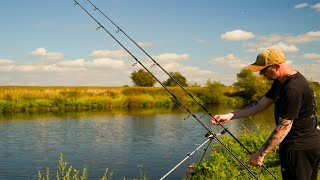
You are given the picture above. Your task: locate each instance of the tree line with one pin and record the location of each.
(248, 86)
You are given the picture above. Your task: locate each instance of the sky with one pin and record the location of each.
(55, 43)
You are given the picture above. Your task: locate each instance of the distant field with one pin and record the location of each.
(68, 98)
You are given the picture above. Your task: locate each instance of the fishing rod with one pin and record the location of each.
(189, 94)
(137, 61)
(188, 156)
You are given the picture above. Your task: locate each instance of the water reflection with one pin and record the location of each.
(120, 140)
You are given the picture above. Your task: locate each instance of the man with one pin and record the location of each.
(295, 115)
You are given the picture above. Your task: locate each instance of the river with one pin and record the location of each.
(154, 139)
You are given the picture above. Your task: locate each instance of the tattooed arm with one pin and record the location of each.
(276, 137)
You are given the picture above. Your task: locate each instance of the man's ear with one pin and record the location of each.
(277, 66)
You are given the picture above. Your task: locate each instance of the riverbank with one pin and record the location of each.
(65, 98)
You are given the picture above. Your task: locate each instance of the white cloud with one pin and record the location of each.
(38, 52)
(193, 74)
(302, 5)
(106, 63)
(110, 54)
(310, 56)
(283, 47)
(230, 60)
(310, 36)
(310, 71)
(286, 43)
(42, 52)
(4, 62)
(73, 63)
(145, 44)
(237, 35)
(166, 57)
(316, 7)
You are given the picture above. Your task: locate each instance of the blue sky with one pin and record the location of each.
(52, 43)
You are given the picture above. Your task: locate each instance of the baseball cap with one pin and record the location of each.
(267, 58)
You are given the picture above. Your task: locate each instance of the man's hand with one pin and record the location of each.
(256, 159)
(222, 118)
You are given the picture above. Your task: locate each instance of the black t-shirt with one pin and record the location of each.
(295, 100)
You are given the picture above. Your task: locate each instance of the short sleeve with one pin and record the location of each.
(272, 91)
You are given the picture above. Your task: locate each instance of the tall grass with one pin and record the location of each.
(52, 99)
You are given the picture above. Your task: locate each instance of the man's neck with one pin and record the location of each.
(286, 73)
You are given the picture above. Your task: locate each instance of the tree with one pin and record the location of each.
(251, 87)
(142, 78)
(178, 77)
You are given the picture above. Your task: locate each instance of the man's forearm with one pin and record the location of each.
(277, 136)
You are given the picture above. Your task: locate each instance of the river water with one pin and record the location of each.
(154, 139)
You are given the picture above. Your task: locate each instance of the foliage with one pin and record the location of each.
(52, 99)
(316, 88)
(251, 87)
(178, 77)
(69, 173)
(64, 172)
(221, 165)
(215, 93)
(142, 78)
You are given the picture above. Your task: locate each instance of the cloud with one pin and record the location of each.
(171, 57)
(193, 74)
(309, 56)
(105, 63)
(316, 7)
(286, 42)
(110, 54)
(202, 41)
(230, 60)
(283, 47)
(4, 62)
(302, 5)
(307, 37)
(145, 44)
(73, 63)
(310, 71)
(42, 52)
(237, 35)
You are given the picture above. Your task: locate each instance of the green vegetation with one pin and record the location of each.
(248, 89)
(52, 99)
(251, 87)
(142, 78)
(178, 77)
(69, 173)
(221, 165)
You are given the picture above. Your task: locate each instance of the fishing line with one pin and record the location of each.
(189, 94)
(190, 113)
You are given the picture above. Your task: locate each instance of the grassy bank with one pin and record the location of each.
(52, 99)
(221, 165)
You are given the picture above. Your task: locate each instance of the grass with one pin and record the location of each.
(67, 172)
(221, 165)
(52, 99)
